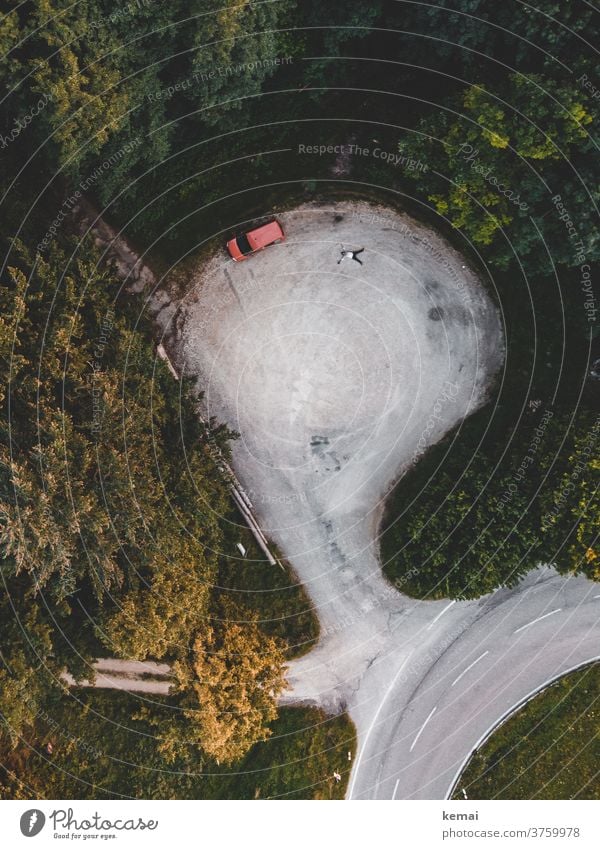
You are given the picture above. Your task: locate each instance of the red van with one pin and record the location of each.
(245, 244)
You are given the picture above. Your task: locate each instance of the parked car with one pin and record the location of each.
(245, 244)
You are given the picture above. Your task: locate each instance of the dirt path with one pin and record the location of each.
(134, 676)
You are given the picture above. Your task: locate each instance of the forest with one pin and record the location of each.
(116, 537)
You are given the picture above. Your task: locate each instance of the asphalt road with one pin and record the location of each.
(483, 661)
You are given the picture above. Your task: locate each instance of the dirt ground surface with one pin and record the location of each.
(337, 377)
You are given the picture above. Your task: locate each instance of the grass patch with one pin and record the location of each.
(550, 749)
(251, 587)
(104, 747)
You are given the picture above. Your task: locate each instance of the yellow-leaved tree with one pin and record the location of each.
(236, 676)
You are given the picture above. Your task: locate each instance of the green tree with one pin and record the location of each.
(571, 518)
(484, 519)
(494, 157)
(113, 513)
(109, 534)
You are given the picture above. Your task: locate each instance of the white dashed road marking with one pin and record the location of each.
(441, 613)
(539, 619)
(373, 723)
(464, 672)
(422, 728)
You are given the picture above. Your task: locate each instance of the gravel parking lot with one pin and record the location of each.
(337, 377)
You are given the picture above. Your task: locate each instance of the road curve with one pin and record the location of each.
(430, 720)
